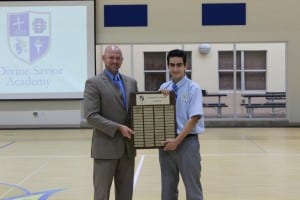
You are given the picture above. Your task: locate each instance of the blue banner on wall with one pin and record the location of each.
(125, 15)
(223, 14)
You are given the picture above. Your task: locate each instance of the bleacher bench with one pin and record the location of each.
(217, 106)
(271, 96)
(250, 107)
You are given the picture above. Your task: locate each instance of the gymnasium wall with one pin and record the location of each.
(175, 22)
(179, 22)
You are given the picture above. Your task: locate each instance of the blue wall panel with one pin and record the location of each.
(125, 15)
(223, 14)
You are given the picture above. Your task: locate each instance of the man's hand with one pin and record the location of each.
(165, 92)
(170, 144)
(125, 131)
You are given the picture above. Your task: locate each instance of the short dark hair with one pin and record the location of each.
(176, 53)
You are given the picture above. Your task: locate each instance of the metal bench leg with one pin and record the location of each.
(248, 112)
(219, 111)
(251, 112)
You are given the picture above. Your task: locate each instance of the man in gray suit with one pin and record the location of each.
(106, 101)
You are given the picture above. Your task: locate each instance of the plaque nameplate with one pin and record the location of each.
(151, 99)
(153, 119)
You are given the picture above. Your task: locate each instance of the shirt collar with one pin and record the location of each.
(181, 82)
(111, 76)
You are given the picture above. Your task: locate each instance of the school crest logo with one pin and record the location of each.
(29, 35)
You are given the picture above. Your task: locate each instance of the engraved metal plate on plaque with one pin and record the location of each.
(153, 119)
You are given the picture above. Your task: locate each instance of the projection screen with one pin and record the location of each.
(47, 49)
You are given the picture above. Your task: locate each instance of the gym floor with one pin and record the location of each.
(237, 164)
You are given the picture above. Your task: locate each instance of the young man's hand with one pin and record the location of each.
(165, 92)
(170, 144)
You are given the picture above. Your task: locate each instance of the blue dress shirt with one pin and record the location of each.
(188, 103)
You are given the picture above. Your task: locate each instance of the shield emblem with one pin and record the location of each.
(29, 35)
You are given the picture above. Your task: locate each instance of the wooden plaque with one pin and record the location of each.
(153, 119)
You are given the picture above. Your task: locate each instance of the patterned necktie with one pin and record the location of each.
(175, 89)
(118, 83)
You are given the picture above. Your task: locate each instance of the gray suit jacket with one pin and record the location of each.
(104, 110)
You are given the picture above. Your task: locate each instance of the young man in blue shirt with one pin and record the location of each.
(182, 154)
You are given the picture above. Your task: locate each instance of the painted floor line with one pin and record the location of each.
(6, 145)
(138, 170)
(26, 178)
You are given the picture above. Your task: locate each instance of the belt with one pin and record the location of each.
(191, 135)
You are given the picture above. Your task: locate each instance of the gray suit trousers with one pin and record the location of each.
(186, 161)
(121, 170)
